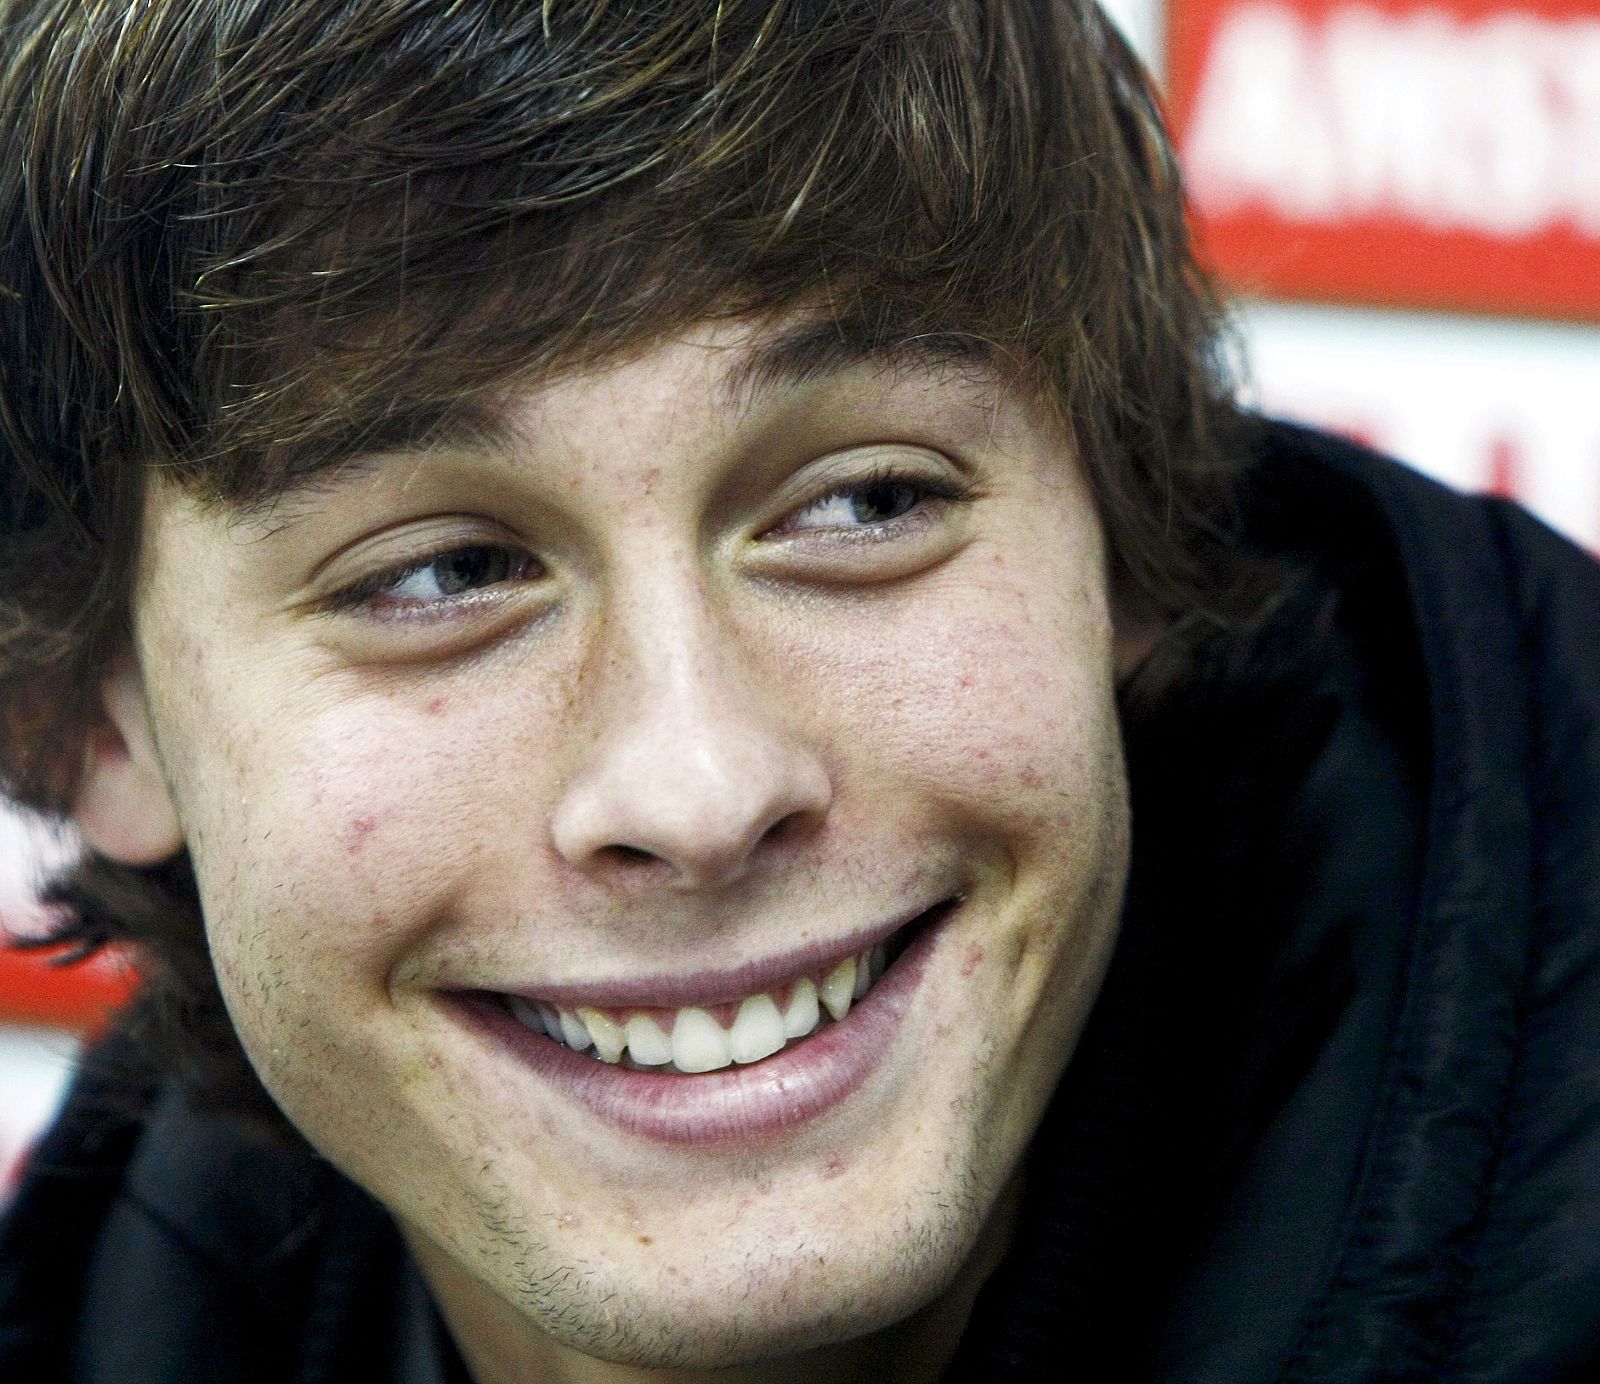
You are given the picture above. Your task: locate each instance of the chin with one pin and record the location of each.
(761, 1302)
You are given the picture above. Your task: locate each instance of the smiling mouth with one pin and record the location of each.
(697, 1038)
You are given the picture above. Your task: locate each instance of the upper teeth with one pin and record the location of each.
(692, 1039)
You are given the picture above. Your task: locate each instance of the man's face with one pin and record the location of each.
(643, 717)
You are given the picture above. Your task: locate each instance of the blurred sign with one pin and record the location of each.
(35, 988)
(35, 1066)
(46, 1009)
(1430, 154)
(1507, 407)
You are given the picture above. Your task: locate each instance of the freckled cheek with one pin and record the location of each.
(1021, 729)
(343, 845)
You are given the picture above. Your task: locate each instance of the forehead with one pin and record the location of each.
(736, 367)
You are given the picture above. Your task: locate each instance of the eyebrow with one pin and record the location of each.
(811, 350)
(352, 446)
(801, 354)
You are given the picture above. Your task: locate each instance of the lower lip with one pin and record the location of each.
(737, 1105)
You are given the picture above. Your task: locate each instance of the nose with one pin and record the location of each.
(692, 769)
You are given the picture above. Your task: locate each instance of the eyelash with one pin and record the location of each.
(367, 593)
(939, 490)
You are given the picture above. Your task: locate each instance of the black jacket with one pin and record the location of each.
(1336, 1114)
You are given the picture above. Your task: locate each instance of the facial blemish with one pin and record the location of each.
(973, 959)
(436, 706)
(360, 828)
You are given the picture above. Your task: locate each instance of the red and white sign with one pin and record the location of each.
(34, 987)
(45, 1009)
(1506, 407)
(1394, 151)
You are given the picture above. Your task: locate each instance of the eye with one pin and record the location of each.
(874, 502)
(876, 505)
(458, 571)
(445, 577)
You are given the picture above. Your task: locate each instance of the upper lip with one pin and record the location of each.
(725, 985)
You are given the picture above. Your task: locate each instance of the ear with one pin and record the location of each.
(123, 806)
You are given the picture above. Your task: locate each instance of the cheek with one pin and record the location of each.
(1010, 713)
(324, 843)
(353, 841)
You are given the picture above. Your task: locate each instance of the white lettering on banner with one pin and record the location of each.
(1490, 126)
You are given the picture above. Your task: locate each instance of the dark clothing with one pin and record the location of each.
(1336, 1114)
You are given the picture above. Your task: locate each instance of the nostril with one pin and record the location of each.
(631, 855)
(778, 831)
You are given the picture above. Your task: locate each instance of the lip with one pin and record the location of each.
(712, 987)
(736, 1105)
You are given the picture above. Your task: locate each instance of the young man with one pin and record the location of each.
(600, 581)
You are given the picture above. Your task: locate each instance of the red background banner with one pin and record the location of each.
(1439, 155)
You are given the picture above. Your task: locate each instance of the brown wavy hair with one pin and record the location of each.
(243, 236)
